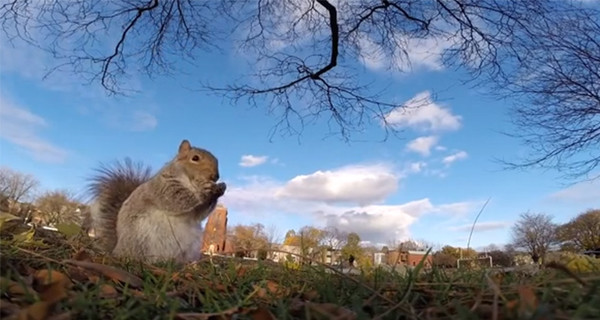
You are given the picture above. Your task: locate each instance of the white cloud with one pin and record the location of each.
(327, 205)
(360, 184)
(481, 226)
(249, 160)
(455, 157)
(586, 192)
(422, 145)
(421, 113)
(20, 127)
(416, 167)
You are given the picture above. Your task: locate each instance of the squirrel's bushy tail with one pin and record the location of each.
(110, 187)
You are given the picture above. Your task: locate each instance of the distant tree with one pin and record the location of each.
(442, 259)
(458, 253)
(582, 232)
(16, 186)
(310, 239)
(59, 206)
(248, 239)
(501, 258)
(334, 238)
(291, 239)
(352, 249)
(535, 233)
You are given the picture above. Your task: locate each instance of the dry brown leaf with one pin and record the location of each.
(528, 299)
(241, 271)
(310, 295)
(108, 291)
(52, 285)
(225, 314)
(14, 288)
(110, 272)
(512, 305)
(272, 289)
(82, 255)
(47, 277)
(36, 311)
(261, 313)
(136, 293)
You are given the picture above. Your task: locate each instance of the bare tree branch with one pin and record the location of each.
(306, 56)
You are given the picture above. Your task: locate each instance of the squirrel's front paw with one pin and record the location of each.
(217, 189)
(220, 188)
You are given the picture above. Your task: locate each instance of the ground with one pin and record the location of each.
(61, 275)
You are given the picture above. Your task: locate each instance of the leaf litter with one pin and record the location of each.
(53, 278)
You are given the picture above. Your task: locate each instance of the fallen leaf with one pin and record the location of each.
(136, 293)
(225, 314)
(6, 218)
(261, 313)
(271, 289)
(108, 291)
(512, 305)
(310, 295)
(24, 237)
(14, 288)
(36, 311)
(109, 272)
(53, 285)
(82, 255)
(528, 301)
(47, 277)
(241, 271)
(68, 229)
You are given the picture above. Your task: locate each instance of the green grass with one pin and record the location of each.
(221, 288)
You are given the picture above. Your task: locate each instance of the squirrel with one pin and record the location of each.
(156, 217)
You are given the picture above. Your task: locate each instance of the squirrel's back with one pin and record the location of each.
(110, 187)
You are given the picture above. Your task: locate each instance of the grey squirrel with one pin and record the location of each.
(156, 217)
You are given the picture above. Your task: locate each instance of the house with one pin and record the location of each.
(408, 257)
(379, 258)
(286, 253)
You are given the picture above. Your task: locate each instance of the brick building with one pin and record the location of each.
(407, 257)
(215, 231)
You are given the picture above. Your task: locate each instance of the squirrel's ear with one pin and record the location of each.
(184, 146)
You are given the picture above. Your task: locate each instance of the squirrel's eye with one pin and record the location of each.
(195, 158)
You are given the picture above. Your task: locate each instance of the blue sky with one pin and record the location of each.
(428, 184)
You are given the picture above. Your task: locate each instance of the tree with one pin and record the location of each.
(308, 239)
(334, 238)
(442, 259)
(59, 206)
(582, 232)
(535, 233)
(16, 186)
(541, 53)
(291, 239)
(248, 239)
(501, 258)
(352, 250)
(458, 253)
